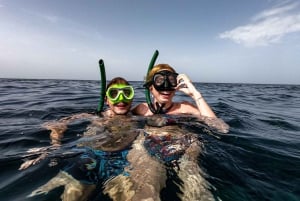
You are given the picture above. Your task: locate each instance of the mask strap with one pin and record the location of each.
(159, 108)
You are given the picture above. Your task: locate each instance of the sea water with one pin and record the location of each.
(259, 159)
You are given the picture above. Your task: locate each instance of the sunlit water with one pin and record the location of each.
(259, 159)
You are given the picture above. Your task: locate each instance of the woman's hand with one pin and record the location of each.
(186, 86)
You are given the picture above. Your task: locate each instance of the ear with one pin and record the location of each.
(152, 89)
(105, 100)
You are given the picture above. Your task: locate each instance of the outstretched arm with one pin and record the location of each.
(215, 123)
(57, 130)
(59, 127)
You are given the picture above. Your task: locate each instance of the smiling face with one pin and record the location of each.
(161, 82)
(119, 96)
(162, 97)
(119, 108)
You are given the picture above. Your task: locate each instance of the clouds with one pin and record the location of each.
(41, 15)
(267, 27)
(56, 39)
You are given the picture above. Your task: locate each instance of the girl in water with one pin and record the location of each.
(103, 148)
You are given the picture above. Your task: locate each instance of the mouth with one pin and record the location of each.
(166, 93)
(121, 105)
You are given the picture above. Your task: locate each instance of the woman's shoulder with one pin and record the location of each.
(184, 104)
(184, 107)
(139, 106)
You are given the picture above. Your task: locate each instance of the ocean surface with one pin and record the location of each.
(259, 159)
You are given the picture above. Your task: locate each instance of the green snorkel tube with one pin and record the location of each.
(147, 92)
(103, 86)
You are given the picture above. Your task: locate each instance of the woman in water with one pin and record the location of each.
(172, 145)
(166, 147)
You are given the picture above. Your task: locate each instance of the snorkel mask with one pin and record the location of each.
(164, 80)
(117, 93)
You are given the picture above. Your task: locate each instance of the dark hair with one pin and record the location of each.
(117, 80)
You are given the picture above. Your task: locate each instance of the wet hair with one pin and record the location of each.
(157, 68)
(117, 80)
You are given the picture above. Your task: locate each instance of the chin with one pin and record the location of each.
(164, 99)
(121, 112)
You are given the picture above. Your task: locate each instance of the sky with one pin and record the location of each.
(215, 41)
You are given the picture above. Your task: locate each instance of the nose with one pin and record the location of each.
(121, 97)
(166, 83)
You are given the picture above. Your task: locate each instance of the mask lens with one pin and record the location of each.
(128, 92)
(113, 93)
(173, 80)
(159, 79)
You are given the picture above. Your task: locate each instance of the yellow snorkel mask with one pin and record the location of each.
(117, 93)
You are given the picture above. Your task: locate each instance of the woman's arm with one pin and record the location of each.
(205, 114)
(186, 86)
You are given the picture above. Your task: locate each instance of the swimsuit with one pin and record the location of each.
(167, 148)
(93, 166)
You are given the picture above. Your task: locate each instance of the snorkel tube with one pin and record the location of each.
(147, 92)
(103, 86)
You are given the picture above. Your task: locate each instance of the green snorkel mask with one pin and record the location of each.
(117, 93)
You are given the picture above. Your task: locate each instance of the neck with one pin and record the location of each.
(110, 113)
(163, 108)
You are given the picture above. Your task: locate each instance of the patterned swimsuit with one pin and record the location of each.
(94, 166)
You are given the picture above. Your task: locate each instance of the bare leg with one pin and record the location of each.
(74, 190)
(146, 178)
(195, 187)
